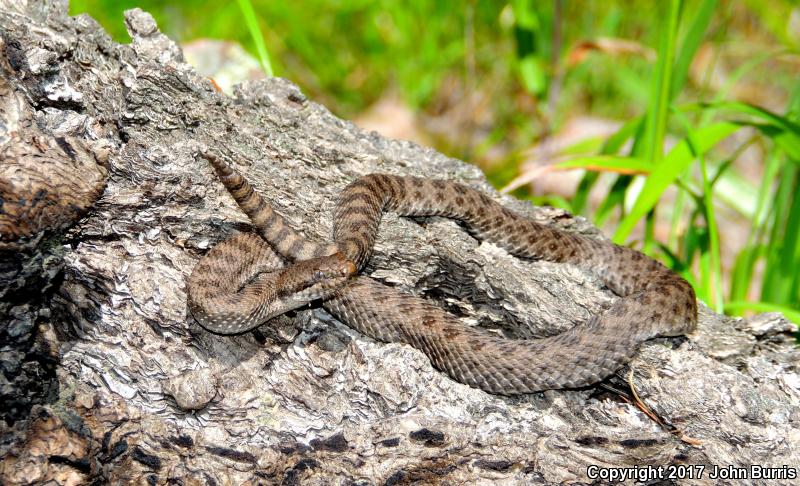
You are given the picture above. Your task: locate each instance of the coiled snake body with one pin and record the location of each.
(241, 283)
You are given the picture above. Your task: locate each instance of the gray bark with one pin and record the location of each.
(143, 394)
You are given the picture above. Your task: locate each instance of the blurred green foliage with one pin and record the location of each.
(350, 51)
(346, 54)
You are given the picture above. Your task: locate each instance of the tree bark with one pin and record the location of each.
(115, 382)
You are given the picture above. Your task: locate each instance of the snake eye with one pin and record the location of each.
(318, 275)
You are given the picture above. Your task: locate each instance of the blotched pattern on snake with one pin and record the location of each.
(242, 282)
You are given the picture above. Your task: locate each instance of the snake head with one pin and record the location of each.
(331, 268)
(316, 278)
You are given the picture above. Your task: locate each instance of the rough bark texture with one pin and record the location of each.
(115, 382)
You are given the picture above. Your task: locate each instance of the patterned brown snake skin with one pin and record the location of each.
(242, 282)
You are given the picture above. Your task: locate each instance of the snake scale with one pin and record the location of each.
(242, 282)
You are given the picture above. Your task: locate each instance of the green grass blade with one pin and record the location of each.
(690, 44)
(786, 140)
(715, 289)
(712, 266)
(615, 142)
(677, 212)
(791, 253)
(607, 163)
(784, 123)
(584, 146)
(581, 196)
(780, 284)
(616, 197)
(783, 131)
(783, 250)
(696, 242)
(741, 275)
(251, 19)
(612, 145)
(668, 170)
(658, 108)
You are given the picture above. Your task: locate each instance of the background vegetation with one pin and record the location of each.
(698, 104)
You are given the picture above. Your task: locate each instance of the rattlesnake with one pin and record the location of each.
(241, 283)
